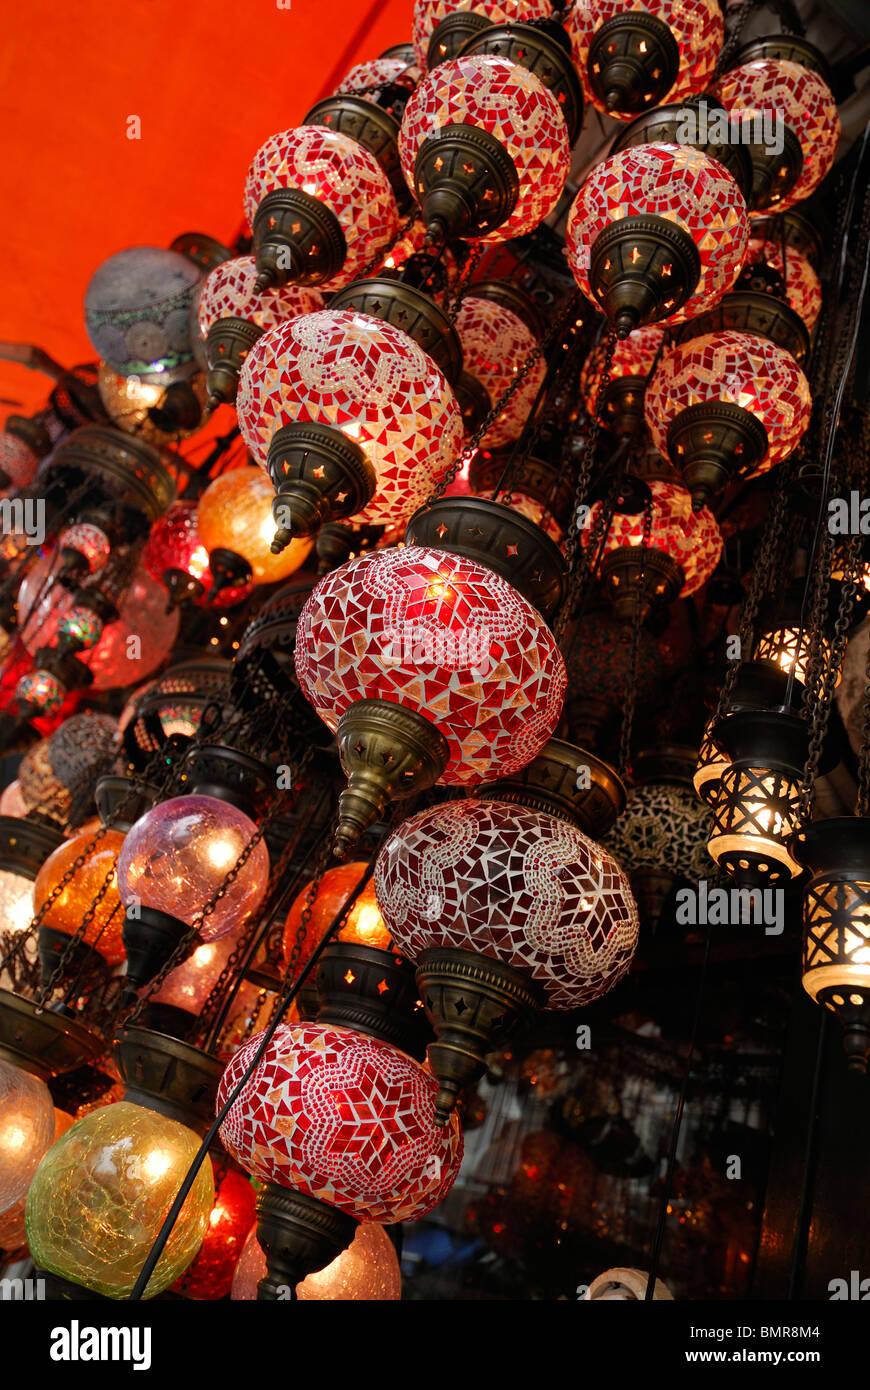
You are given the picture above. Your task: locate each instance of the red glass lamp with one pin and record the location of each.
(726, 404)
(18, 462)
(430, 668)
(350, 417)
(632, 361)
(632, 57)
(484, 149)
(465, 18)
(657, 233)
(230, 1220)
(321, 207)
(341, 1127)
(801, 285)
(495, 345)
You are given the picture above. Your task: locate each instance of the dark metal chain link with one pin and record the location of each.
(636, 625)
(475, 256)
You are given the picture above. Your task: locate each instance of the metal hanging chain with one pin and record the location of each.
(862, 807)
(475, 440)
(574, 561)
(321, 864)
(822, 706)
(463, 280)
(636, 625)
(73, 941)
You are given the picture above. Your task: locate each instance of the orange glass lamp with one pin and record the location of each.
(235, 514)
(367, 1271)
(63, 919)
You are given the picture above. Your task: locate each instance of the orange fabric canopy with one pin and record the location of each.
(209, 81)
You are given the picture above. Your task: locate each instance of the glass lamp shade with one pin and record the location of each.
(787, 94)
(342, 176)
(633, 357)
(188, 986)
(88, 541)
(663, 827)
(26, 1130)
(116, 660)
(518, 886)
(80, 628)
(230, 1220)
(440, 635)
(790, 648)
(229, 293)
(495, 344)
(137, 309)
(370, 381)
(367, 1271)
(235, 513)
(103, 932)
(696, 27)
(12, 801)
(429, 13)
(40, 692)
(364, 922)
(678, 184)
(802, 285)
(739, 369)
(175, 544)
(18, 462)
(511, 105)
(692, 539)
(128, 401)
(100, 1196)
(363, 77)
(177, 855)
(16, 901)
(13, 1235)
(344, 1118)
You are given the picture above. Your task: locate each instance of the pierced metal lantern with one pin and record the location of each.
(836, 956)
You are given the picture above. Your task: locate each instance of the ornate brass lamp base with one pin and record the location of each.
(465, 181)
(298, 1234)
(227, 345)
(320, 476)
(641, 269)
(297, 240)
(638, 579)
(633, 61)
(713, 442)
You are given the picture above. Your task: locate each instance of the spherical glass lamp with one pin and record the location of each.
(368, 1270)
(632, 361)
(726, 404)
(336, 886)
(230, 1220)
(495, 345)
(428, 14)
(631, 57)
(161, 413)
(137, 310)
(448, 660)
(641, 242)
(350, 417)
(18, 462)
(774, 95)
(179, 853)
(343, 1118)
(321, 207)
(26, 1130)
(235, 513)
(104, 932)
(13, 1235)
(802, 287)
(101, 1193)
(484, 149)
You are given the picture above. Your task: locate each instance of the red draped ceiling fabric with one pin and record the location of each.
(209, 80)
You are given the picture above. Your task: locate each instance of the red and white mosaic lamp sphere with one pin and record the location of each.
(429, 13)
(515, 116)
(743, 371)
(691, 538)
(677, 185)
(229, 293)
(368, 380)
(695, 26)
(495, 344)
(773, 93)
(345, 180)
(632, 361)
(343, 1118)
(803, 289)
(442, 636)
(18, 462)
(515, 885)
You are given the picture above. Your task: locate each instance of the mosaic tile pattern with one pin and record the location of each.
(663, 827)
(675, 182)
(693, 539)
(495, 715)
(742, 368)
(17, 460)
(344, 1118)
(510, 103)
(802, 285)
(695, 24)
(802, 100)
(632, 357)
(429, 13)
(341, 175)
(228, 293)
(365, 77)
(495, 344)
(370, 379)
(513, 884)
